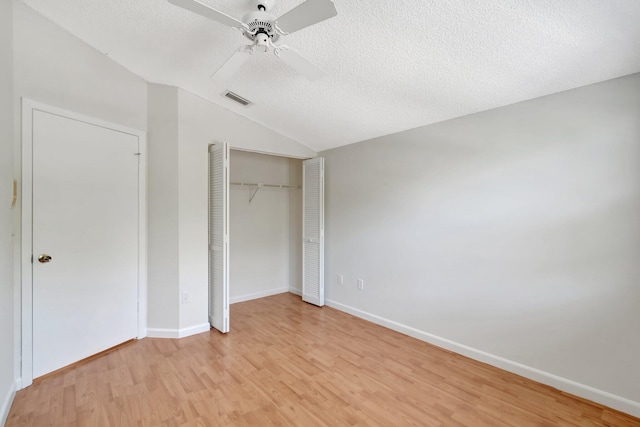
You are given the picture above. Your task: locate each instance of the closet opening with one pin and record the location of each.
(266, 229)
(265, 225)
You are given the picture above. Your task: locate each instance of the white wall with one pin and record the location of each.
(202, 123)
(512, 234)
(181, 128)
(201, 120)
(7, 374)
(163, 208)
(56, 68)
(263, 260)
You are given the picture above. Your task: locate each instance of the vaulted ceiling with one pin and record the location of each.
(390, 65)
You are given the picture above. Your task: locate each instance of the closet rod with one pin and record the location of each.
(250, 184)
(261, 185)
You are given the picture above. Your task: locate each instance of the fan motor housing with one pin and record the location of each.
(260, 23)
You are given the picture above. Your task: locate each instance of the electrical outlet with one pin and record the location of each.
(340, 279)
(361, 284)
(185, 297)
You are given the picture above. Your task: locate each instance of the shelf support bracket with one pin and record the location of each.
(258, 187)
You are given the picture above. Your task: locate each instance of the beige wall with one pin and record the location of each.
(511, 235)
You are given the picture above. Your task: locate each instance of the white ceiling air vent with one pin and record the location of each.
(237, 98)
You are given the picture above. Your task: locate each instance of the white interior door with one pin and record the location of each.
(219, 237)
(85, 218)
(313, 231)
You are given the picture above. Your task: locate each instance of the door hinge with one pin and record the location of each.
(137, 154)
(31, 258)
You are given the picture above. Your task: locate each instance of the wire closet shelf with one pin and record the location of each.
(259, 185)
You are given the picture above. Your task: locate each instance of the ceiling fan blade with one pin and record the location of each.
(232, 65)
(308, 13)
(300, 64)
(208, 12)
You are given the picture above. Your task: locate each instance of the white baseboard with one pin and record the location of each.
(177, 333)
(257, 295)
(296, 291)
(7, 402)
(581, 390)
(192, 330)
(162, 333)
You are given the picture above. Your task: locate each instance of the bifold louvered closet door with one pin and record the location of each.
(219, 237)
(313, 231)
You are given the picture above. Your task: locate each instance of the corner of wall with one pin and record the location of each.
(577, 389)
(486, 235)
(296, 291)
(7, 401)
(178, 333)
(8, 301)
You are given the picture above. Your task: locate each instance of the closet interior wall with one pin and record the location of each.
(266, 232)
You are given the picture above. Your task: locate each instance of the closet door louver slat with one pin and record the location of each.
(219, 237)
(313, 231)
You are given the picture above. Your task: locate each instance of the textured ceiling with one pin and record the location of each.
(391, 65)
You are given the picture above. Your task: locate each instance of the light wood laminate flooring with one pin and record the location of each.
(289, 363)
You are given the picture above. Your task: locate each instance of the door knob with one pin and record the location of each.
(44, 258)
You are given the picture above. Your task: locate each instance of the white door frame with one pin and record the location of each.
(28, 108)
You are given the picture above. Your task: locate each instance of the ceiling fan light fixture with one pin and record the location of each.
(264, 29)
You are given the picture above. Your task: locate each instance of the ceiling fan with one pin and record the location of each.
(264, 29)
